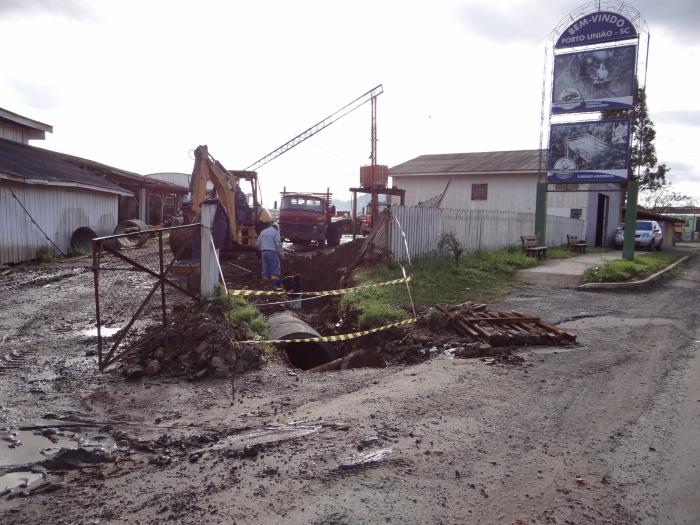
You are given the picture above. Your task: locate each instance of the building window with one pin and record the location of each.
(565, 187)
(480, 192)
(576, 213)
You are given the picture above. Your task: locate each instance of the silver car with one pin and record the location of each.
(648, 235)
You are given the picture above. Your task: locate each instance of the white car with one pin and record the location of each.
(648, 234)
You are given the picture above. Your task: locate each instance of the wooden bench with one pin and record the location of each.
(531, 248)
(575, 245)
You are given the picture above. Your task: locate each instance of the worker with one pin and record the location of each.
(242, 208)
(270, 247)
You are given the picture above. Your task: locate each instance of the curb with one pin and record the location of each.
(630, 284)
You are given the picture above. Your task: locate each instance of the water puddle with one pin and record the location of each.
(19, 480)
(105, 331)
(25, 447)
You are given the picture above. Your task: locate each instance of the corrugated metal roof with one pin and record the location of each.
(24, 121)
(466, 163)
(40, 166)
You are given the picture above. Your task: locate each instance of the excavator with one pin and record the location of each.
(245, 221)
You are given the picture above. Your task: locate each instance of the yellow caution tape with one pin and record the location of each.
(341, 337)
(324, 293)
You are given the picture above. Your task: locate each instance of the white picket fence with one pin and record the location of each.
(475, 229)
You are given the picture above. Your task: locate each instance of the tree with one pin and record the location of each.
(449, 241)
(644, 165)
(661, 199)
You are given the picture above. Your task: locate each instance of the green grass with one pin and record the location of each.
(559, 252)
(480, 276)
(238, 312)
(622, 270)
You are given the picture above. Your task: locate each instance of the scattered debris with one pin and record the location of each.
(364, 460)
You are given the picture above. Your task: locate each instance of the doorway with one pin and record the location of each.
(601, 224)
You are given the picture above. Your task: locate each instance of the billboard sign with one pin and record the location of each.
(594, 80)
(595, 151)
(596, 28)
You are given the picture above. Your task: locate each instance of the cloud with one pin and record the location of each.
(682, 172)
(688, 118)
(526, 21)
(530, 20)
(680, 17)
(34, 95)
(78, 9)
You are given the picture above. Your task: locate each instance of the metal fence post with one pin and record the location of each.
(162, 282)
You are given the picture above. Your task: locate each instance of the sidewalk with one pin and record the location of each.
(568, 273)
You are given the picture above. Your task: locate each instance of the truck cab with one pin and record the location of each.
(308, 217)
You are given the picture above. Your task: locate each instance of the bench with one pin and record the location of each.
(575, 245)
(531, 248)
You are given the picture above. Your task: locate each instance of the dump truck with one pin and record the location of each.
(310, 217)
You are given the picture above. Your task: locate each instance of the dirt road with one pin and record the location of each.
(604, 432)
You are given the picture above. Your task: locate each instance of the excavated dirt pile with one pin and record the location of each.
(321, 269)
(198, 342)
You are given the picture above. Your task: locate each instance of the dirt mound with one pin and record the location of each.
(321, 269)
(198, 341)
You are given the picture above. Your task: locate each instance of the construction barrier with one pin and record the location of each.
(341, 337)
(340, 291)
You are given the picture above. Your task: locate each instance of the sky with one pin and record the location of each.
(139, 84)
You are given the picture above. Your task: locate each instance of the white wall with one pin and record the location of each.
(476, 229)
(59, 212)
(13, 132)
(506, 192)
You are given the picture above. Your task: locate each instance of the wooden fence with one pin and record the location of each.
(419, 229)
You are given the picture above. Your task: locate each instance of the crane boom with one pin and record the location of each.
(330, 119)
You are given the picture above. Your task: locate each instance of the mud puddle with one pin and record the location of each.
(105, 331)
(26, 447)
(24, 479)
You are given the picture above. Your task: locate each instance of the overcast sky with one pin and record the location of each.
(139, 84)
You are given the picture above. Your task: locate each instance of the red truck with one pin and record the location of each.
(310, 217)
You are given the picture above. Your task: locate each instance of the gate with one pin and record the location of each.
(131, 272)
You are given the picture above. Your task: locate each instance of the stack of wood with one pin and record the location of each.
(476, 323)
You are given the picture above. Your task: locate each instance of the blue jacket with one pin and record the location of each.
(269, 240)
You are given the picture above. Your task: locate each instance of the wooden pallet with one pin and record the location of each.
(475, 323)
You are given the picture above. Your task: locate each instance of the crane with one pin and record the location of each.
(369, 96)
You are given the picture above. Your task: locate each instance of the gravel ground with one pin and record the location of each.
(604, 432)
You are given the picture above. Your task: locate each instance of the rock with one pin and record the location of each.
(219, 364)
(204, 329)
(134, 371)
(202, 347)
(201, 373)
(152, 367)
(159, 353)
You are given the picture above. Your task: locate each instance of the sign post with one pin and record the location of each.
(630, 220)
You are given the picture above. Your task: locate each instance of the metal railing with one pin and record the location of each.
(128, 282)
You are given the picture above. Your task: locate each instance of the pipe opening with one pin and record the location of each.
(306, 355)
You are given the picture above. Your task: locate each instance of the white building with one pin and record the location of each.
(505, 181)
(46, 195)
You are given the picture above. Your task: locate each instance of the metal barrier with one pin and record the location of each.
(126, 281)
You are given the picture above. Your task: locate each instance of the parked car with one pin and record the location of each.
(648, 235)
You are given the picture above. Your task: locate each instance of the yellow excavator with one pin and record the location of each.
(245, 219)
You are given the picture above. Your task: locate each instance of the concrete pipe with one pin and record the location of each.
(285, 325)
(82, 239)
(133, 226)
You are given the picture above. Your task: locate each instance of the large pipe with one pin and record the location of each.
(285, 325)
(82, 239)
(132, 226)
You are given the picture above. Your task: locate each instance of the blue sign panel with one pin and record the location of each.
(596, 28)
(595, 151)
(594, 80)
